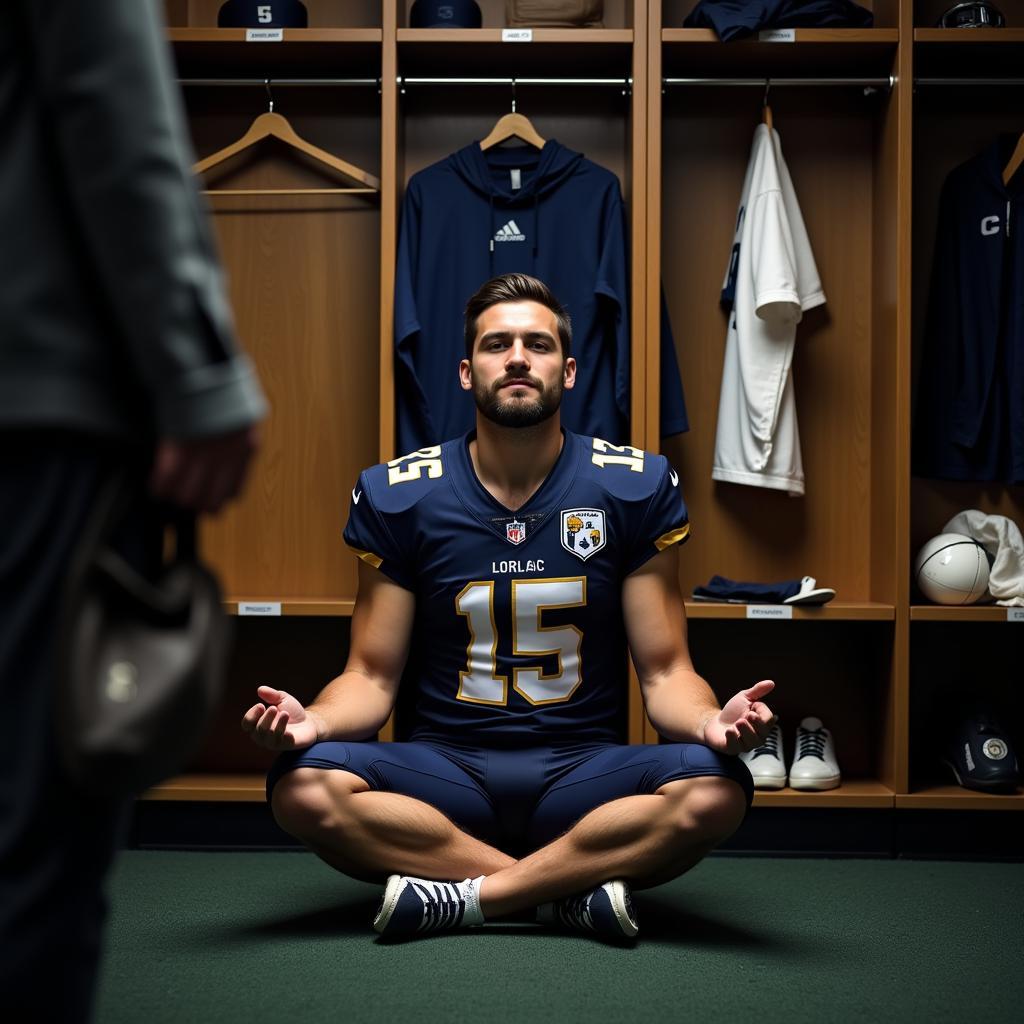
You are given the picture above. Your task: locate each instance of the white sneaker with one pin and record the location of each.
(766, 762)
(606, 912)
(412, 906)
(814, 760)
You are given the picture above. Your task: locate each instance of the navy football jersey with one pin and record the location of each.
(519, 637)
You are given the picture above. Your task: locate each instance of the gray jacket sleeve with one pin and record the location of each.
(105, 72)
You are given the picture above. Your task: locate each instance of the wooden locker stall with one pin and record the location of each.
(455, 84)
(969, 89)
(303, 264)
(837, 112)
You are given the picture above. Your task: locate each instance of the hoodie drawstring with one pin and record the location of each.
(490, 234)
(536, 229)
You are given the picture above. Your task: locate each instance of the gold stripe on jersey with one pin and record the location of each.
(666, 540)
(368, 557)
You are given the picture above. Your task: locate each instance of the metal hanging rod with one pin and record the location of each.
(313, 82)
(877, 83)
(887, 83)
(990, 82)
(625, 83)
(403, 81)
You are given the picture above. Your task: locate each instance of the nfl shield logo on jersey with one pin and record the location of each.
(515, 532)
(583, 531)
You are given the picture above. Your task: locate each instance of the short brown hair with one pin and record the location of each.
(516, 288)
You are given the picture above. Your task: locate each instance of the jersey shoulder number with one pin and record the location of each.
(403, 482)
(622, 470)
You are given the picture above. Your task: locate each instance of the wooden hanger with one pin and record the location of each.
(766, 111)
(271, 125)
(1016, 159)
(513, 126)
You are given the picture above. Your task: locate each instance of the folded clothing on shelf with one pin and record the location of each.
(733, 18)
(555, 13)
(802, 591)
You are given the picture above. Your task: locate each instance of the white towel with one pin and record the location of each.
(1001, 538)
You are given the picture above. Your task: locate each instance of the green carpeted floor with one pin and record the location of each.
(254, 937)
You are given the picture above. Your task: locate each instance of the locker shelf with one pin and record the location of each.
(955, 798)
(856, 793)
(289, 606)
(961, 613)
(480, 51)
(233, 788)
(836, 610)
(251, 789)
(305, 52)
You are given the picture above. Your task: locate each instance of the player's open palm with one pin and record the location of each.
(743, 723)
(280, 722)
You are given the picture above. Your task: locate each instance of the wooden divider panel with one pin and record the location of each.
(303, 274)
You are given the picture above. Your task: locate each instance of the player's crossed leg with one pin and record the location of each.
(618, 817)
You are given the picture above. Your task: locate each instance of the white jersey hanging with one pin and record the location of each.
(771, 280)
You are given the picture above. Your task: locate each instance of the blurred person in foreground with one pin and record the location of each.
(116, 352)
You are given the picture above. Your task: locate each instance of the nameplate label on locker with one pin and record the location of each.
(1015, 614)
(264, 35)
(259, 607)
(777, 35)
(769, 611)
(517, 35)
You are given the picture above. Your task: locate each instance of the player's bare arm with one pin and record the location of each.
(679, 702)
(357, 703)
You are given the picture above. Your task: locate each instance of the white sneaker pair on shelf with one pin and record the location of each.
(814, 764)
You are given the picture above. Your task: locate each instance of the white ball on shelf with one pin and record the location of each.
(952, 568)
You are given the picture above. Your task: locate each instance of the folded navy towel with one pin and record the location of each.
(721, 589)
(802, 591)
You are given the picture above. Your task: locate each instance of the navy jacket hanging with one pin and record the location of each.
(969, 422)
(551, 213)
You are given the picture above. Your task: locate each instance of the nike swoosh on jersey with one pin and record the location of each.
(356, 497)
(674, 476)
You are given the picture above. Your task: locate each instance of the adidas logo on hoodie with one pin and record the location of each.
(509, 233)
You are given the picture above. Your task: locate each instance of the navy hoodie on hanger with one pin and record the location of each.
(550, 213)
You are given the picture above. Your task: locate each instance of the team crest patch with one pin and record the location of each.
(583, 531)
(515, 532)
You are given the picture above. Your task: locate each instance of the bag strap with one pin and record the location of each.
(114, 498)
(186, 535)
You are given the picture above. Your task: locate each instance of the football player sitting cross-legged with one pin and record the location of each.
(503, 577)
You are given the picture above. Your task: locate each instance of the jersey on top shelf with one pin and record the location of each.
(550, 213)
(969, 422)
(771, 279)
(518, 637)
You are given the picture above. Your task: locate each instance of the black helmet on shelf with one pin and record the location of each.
(972, 14)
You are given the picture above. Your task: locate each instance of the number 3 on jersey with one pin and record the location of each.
(479, 682)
